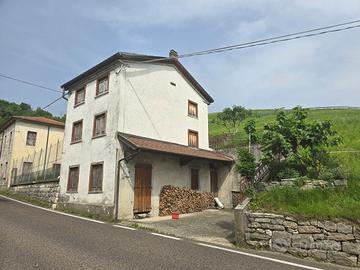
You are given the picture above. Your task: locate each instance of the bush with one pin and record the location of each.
(246, 165)
(288, 173)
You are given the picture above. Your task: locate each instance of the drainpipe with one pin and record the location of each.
(118, 177)
(46, 149)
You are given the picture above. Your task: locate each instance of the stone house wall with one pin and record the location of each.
(48, 191)
(336, 242)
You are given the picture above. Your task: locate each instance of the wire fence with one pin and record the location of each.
(40, 166)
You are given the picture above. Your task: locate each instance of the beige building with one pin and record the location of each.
(25, 146)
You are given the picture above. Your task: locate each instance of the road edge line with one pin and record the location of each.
(260, 257)
(166, 236)
(124, 227)
(53, 211)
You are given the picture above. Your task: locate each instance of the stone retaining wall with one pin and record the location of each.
(48, 191)
(336, 242)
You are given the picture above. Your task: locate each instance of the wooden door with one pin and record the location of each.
(142, 188)
(214, 181)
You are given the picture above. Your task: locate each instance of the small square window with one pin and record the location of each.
(99, 125)
(102, 86)
(192, 109)
(76, 132)
(193, 138)
(96, 177)
(31, 138)
(27, 168)
(73, 179)
(80, 96)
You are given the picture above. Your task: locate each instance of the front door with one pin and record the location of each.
(142, 188)
(214, 181)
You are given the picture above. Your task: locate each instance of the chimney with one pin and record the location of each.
(173, 54)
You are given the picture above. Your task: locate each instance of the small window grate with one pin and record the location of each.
(173, 84)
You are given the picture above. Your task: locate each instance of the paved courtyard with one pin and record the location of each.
(214, 226)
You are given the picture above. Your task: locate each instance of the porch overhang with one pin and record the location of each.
(186, 153)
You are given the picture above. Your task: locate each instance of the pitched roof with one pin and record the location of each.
(143, 143)
(33, 119)
(140, 58)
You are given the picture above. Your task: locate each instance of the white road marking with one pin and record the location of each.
(166, 236)
(125, 227)
(53, 211)
(261, 257)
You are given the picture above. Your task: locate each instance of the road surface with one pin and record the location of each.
(32, 238)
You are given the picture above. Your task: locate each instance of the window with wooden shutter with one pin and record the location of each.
(27, 167)
(102, 86)
(31, 138)
(73, 179)
(99, 125)
(76, 131)
(194, 179)
(193, 138)
(96, 177)
(80, 96)
(192, 109)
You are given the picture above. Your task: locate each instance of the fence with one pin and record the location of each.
(40, 166)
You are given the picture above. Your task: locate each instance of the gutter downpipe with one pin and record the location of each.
(117, 180)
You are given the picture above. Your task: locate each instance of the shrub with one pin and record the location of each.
(246, 165)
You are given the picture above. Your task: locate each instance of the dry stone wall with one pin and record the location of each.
(48, 192)
(336, 242)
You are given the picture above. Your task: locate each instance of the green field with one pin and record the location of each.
(314, 203)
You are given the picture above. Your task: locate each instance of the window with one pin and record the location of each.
(80, 96)
(192, 109)
(76, 132)
(56, 169)
(193, 138)
(31, 138)
(194, 179)
(96, 177)
(73, 179)
(102, 85)
(27, 167)
(99, 125)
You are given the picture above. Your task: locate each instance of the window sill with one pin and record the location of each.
(79, 104)
(193, 116)
(71, 192)
(98, 136)
(102, 94)
(75, 142)
(95, 192)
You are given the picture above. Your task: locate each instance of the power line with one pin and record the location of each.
(51, 103)
(30, 83)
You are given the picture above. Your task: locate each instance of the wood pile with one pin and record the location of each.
(184, 200)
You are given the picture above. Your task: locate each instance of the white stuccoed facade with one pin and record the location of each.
(142, 100)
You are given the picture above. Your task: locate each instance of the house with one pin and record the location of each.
(134, 124)
(23, 136)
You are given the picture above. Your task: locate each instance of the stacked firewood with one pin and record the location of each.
(183, 200)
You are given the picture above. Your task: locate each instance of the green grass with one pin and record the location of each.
(319, 203)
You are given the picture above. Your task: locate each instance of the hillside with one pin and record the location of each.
(8, 109)
(346, 122)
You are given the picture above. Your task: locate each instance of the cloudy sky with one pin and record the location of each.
(50, 42)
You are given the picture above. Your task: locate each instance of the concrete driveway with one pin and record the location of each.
(213, 226)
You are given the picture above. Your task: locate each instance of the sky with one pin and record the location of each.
(50, 42)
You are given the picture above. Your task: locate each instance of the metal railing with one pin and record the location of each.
(49, 175)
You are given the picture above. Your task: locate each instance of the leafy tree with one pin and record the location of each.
(302, 143)
(232, 117)
(250, 130)
(246, 164)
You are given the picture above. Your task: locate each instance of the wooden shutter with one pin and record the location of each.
(102, 85)
(99, 125)
(80, 96)
(73, 179)
(192, 109)
(31, 138)
(193, 138)
(194, 179)
(77, 132)
(96, 177)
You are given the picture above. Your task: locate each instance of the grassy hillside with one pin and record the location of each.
(346, 122)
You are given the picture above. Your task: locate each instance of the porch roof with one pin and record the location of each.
(143, 143)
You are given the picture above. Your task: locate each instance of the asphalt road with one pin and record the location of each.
(32, 238)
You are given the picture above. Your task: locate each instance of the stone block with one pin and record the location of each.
(318, 236)
(327, 225)
(342, 258)
(328, 245)
(317, 254)
(299, 252)
(304, 223)
(308, 229)
(257, 236)
(282, 239)
(273, 227)
(277, 221)
(254, 225)
(304, 241)
(351, 248)
(263, 220)
(265, 215)
(290, 225)
(340, 237)
(288, 218)
(357, 232)
(258, 244)
(344, 228)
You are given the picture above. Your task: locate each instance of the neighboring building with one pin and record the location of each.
(20, 138)
(134, 124)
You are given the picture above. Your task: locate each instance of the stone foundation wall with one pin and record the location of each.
(48, 191)
(102, 212)
(336, 242)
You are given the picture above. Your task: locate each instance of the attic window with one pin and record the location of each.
(173, 84)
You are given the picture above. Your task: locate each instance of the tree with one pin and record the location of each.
(250, 130)
(232, 117)
(298, 141)
(246, 164)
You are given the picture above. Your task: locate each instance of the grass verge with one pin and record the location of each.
(25, 198)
